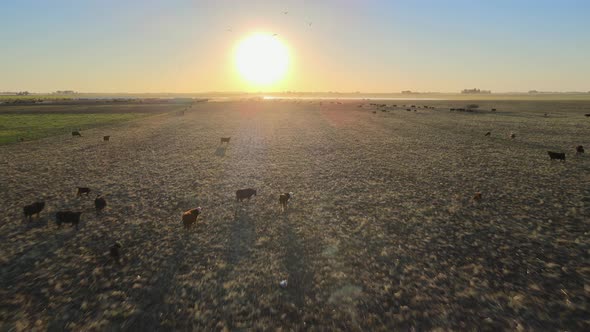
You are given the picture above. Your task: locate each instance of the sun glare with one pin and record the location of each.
(262, 59)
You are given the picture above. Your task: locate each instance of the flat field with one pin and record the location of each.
(30, 122)
(382, 233)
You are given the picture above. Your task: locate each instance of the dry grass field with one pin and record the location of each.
(382, 234)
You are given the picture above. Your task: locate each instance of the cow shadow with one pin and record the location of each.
(242, 237)
(220, 151)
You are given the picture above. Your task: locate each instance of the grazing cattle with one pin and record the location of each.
(587, 114)
(489, 133)
(579, 149)
(114, 252)
(512, 135)
(35, 208)
(556, 155)
(409, 110)
(493, 109)
(106, 138)
(67, 217)
(477, 197)
(383, 110)
(76, 133)
(190, 217)
(245, 194)
(284, 199)
(452, 109)
(99, 203)
(225, 139)
(83, 190)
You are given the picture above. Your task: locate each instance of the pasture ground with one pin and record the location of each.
(382, 233)
(30, 122)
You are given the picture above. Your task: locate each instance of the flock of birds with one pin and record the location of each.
(308, 23)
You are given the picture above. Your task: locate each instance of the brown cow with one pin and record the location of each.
(284, 199)
(245, 194)
(190, 217)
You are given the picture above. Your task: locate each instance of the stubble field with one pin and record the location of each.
(382, 232)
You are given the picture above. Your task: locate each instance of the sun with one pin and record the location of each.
(262, 59)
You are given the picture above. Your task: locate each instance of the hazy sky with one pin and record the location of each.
(369, 46)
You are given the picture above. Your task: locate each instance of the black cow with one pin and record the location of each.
(106, 138)
(556, 155)
(114, 252)
(83, 190)
(489, 133)
(587, 114)
(225, 139)
(99, 203)
(245, 194)
(35, 208)
(579, 149)
(76, 133)
(67, 217)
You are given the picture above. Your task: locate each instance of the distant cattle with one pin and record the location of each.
(489, 133)
(374, 112)
(190, 217)
(225, 139)
(67, 217)
(35, 208)
(99, 204)
(587, 114)
(76, 133)
(512, 135)
(477, 197)
(556, 155)
(284, 199)
(579, 149)
(106, 138)
(245, 194)
(493, 109)
(83, 190)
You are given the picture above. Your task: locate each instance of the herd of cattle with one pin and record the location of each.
(189, 217)
(552, 155)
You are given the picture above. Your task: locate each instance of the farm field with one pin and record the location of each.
(32, 122)
(382, 233)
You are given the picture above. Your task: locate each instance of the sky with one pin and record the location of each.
(355, 45)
